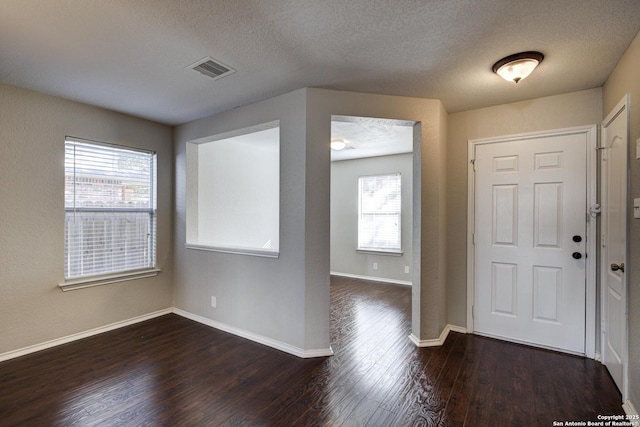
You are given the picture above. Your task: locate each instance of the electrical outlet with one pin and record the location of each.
(406, 269)
(375, 265)
(213, 302)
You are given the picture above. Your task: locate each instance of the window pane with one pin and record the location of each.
(99, 176)
(379, 231)
(105, 242)
(379, 216)
(110, 209)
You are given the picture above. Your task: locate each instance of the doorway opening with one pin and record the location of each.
(372, 208)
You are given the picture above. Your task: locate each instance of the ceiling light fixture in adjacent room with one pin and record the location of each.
(338, 144)
(516, 67)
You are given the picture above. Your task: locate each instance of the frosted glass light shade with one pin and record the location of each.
(516, 67)
(338, 145)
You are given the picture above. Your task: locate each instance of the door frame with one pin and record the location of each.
(591, 133)
(622, 107)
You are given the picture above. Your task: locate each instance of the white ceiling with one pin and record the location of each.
(132, 56)
(370, 137)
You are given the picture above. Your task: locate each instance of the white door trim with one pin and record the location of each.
(590, 260)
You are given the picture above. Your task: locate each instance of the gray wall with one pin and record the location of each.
(344, 218)
(624, 79)
(263, 296)
(34, 310)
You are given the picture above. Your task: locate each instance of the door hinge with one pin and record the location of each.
(473, 163)
(473, 238)
(473, 311)
(603, 241)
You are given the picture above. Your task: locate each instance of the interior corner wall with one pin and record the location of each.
(272, 298)
(344, 218)
(623, 80)
(428, 308)
(443, 132)
(554, 112)
(287, 299)
(33, 308)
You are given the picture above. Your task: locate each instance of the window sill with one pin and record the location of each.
(91, 281)
(380, 252)
(235, 250)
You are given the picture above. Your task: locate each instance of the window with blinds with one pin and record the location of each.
(110, 209)
(379, 209)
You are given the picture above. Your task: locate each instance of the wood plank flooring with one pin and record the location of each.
(171, 371)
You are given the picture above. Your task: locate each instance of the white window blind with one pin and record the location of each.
(110, 209)
(379, 211)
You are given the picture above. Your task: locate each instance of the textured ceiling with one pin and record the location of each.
(132, 56)
(370, 137)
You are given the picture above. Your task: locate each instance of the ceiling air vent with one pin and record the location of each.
(212, 68)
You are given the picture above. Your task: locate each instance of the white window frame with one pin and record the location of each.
(147, 266)
(379, 249)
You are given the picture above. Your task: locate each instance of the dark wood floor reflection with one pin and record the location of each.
(171, 371)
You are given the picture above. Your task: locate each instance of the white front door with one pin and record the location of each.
(614, 243)
(530, 240)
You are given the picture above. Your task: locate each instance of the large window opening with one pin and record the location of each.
(233, 192)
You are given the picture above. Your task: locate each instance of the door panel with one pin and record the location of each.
(505, 225)
(547, 226)
(547, 293)
(530, 200)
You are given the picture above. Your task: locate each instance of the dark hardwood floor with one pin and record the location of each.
(171, 371)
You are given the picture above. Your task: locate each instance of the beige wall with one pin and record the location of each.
(32, 131)
(624, 79)
(554, 112)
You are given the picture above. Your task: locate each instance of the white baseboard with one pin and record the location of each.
(80, 335)
(437, 341)
(269, 342)
(629, 409)
(371, 278)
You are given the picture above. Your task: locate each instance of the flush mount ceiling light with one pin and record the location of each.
(338, 144)
(516, 67)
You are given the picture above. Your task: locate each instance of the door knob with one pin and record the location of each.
(577, 255)
(577, 238)
(616, 267)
